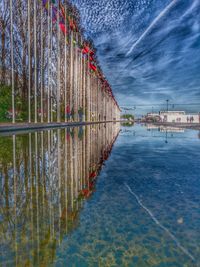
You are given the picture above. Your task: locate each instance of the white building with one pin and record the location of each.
(179, 117)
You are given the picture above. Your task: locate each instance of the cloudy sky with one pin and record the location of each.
(149, 50)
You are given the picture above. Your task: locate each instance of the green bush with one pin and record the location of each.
(21, 106)
(127, 116)
(5, 102)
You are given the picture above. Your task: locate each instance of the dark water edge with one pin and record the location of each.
(72, 203)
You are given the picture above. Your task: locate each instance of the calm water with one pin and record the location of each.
(90, 197)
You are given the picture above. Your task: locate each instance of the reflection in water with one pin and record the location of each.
(162, 128)
(45, 177)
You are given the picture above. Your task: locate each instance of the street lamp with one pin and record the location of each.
(167, 104)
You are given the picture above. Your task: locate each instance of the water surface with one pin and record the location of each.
(66, 202)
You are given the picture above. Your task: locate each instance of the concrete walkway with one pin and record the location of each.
(9, 127)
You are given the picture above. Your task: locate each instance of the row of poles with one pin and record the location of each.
(60, 83)
(45, 185)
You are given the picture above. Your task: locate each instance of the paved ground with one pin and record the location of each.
(9, 127)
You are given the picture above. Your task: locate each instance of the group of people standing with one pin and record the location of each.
(190, 119)
(70, 113)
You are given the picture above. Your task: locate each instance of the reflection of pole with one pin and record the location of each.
(59, 185)
(15, 194)
(166, 137)
(29, 64)
(52, 179)
(48, 175)
(76, 165)
(12, 62)
(31, 184)
(42, 166)
(37, 193)
(71, 173)
(65, 164)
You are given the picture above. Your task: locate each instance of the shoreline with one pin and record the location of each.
(19, 127)
(194, 126)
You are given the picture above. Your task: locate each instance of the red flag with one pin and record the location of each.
(63, 28)
(86, 50)
(92, 174)
(93, 67)
(72, 25)
(91, 58)
(62, 10)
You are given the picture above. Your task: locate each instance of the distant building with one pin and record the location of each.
(152, 114)
(178, 117)
(152, 117)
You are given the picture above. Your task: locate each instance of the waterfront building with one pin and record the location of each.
(179, 117)
(173, 117)
(152, 117)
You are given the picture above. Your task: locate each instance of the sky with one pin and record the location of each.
(149, 50)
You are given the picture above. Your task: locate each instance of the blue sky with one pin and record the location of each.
(149, 50)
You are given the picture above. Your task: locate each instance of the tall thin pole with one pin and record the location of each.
(88, 92)
(35, 60)
(75, 79)
(84, 90)
(71, 71)
(41, 74)
(51, 72)
(58, 70)
(12, 62)
(167, 104)
(29, 64)
(49, 38)
(48, 85)
(65, 109)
